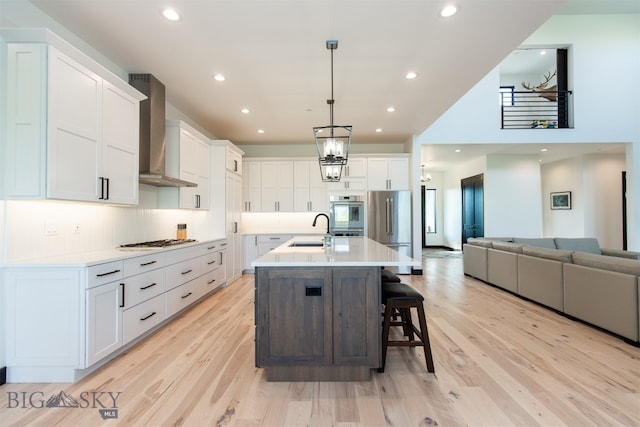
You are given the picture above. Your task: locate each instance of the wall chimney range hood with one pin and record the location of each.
(153, 133)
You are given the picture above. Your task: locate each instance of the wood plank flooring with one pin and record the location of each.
(500, 361)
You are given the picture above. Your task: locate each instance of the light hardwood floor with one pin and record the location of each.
(500, 361)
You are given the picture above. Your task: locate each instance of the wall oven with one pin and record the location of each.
(346, 216)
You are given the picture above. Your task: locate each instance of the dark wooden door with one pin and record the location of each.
(624, 210)
(472, 207)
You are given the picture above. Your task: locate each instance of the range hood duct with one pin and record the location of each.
(153, 133)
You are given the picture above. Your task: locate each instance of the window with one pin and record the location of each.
(430, 211)
(506, 95)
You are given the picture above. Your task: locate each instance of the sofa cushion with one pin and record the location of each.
(478, 241)
(553, 254)
(620, 253)
(543, 242)
(603, 262)
(582, 244)
(508, 246)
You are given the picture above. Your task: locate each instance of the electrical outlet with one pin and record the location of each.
(50, 228)
(75, 229)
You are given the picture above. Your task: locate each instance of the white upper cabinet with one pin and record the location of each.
(354, 176)
(120, 136)
(277, 186)
(309, 191)
(251, 190)
(72, 126)
(234, 161)
(388, 173)
(187, 158)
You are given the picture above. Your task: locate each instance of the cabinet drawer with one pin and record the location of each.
(273, 238)
(104, 273)
(139, 319)
(214, 246)
(210, 262)
(141, 264)
(183, 296)
(142, 287)
(178, 255)
(212, 280)
(180, 273)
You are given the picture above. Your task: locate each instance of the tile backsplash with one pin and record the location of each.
(35, 229)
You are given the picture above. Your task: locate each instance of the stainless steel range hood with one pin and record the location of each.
(153, 133)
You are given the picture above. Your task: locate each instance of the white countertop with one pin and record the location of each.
(344, 251)
(87, 259)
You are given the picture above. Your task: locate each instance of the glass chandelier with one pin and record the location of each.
(332, 142)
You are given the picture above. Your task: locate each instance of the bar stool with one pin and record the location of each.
(387, 276)
(400, 298)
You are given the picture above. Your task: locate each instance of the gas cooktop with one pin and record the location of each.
(155, 244)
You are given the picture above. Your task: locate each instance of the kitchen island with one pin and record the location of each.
(317, 308)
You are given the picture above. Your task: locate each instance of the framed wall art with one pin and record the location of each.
(561, 200)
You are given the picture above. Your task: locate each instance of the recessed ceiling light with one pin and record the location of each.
(543, 150)
(260, 130)
(458, 150)
(219, 78)
(543, 52)
(378, 130)
(391, 109)
(448, 11)
(245, 111)
(171, 14)
(411, 75)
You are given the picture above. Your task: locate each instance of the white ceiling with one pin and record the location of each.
(274, 57)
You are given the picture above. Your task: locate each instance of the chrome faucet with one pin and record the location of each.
(316, 219)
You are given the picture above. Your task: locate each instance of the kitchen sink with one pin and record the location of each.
(306, 244)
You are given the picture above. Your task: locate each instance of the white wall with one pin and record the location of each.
(604, 64)
(512, 196)
(602, 191)
(596, 191)
(565, 175)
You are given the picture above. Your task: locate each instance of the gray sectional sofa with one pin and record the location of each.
(573, 276)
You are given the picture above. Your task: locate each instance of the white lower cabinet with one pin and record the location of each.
(97, 311)
(139, 319)
(33, 301)
(182, 296)
(256, 245)
(213, 267)
(104, 321)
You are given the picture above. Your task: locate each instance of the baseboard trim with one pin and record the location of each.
(444, 248)
(3, 375)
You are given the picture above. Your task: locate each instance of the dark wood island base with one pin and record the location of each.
(318, 323)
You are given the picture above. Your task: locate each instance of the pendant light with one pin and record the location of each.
(332, 142)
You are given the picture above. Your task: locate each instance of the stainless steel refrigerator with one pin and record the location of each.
(389, 222)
